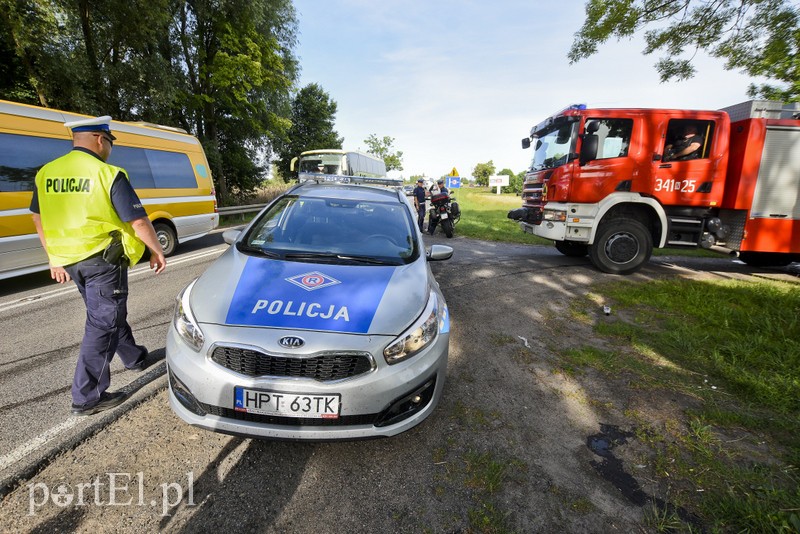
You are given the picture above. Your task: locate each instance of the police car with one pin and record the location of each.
(322, 321)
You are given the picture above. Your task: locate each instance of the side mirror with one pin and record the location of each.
(526, 142)
(230, 236)
(439, 253)
(291, 164)
(589, 148)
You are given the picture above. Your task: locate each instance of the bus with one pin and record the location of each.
(339, 162)
(166, 166)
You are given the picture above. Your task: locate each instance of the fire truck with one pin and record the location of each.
(614, 183)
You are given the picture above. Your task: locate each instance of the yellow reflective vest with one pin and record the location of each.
(76, 210)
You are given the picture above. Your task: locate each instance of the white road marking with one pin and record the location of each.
(31, 445)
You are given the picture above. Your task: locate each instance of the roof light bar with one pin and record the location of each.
(341, 179)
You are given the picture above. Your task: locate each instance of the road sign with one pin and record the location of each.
(499, 181)
(453, 182)
(454, 172)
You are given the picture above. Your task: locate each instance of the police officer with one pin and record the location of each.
(93, 226)
(419, 203)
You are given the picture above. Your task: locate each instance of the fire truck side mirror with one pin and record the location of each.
(589, 145)
(526, 142)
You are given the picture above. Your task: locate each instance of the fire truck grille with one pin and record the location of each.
(322, 367)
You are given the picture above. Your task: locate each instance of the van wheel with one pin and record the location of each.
(572, 249)
(621, 246)
(167, 238)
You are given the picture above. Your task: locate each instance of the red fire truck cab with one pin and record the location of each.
(614, 183)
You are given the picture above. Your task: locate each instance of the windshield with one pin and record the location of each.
(552, 148)
(324, 163)
(325, 230)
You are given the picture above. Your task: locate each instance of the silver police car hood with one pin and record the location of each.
(241, 290)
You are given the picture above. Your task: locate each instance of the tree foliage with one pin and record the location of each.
(482, 172)
(758, 37)
(222, 69)
(313, 116)
(383, 148)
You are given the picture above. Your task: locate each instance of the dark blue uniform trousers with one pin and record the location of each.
(104, 288)
(421, 218)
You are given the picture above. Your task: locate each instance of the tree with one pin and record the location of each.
(221, 69)
(239, 69)
(383, 149)
(313, 117)
(482, 172)
(758, 37)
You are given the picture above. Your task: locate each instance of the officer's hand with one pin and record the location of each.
(158, 262)
(59, 275)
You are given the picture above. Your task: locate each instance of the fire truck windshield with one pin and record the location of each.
(553, 147)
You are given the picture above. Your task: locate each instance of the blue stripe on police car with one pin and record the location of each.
(337, 298)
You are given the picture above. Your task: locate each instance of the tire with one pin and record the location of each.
(572, 249)
(447, 226)
(766, 259)
(621, 246)
(167, 238)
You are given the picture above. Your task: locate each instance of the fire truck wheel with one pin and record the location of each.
(447, 226)
(621, 246)
(572, 249)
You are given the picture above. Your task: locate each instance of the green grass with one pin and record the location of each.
(734, 347)
(484, 215)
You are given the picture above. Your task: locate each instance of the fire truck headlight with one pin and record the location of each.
(554, 215)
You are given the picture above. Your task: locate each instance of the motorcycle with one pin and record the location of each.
(445, 211)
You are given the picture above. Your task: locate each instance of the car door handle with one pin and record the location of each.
(665, 166)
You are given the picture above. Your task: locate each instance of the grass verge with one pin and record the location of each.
(733, 348)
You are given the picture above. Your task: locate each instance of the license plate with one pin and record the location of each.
(444, 216)
(263, 402)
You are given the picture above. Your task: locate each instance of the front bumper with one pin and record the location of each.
(382, 402)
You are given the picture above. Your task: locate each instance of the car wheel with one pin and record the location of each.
(166, 237)
(621, 246)
(572, 249)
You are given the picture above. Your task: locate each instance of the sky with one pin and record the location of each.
(461, 82)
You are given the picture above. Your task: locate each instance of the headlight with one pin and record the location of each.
(184, 321)
(416, 338)
(554, 215)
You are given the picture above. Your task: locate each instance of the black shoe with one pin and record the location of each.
(138, 367)
(107, 400)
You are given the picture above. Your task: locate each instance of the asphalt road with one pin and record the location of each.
(503, 406)
(42, 326)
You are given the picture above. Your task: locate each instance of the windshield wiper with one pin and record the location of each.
(365, 259)
(311, 256)
(257, 250)
(329, 257)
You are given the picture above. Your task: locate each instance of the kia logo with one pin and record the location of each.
(291, 342)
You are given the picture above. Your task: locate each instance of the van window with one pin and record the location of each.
(23, 156)
(150, 169)
(135, 163)
(171, 170)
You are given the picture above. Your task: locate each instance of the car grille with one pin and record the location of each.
(345, 420)
(323, 367)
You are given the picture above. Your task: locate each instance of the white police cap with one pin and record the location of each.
(96, 124)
